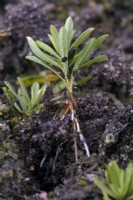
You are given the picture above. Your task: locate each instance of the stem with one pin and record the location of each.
(69, 88)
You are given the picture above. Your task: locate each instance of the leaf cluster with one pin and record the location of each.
(21, 100)
(119, 183)
(57, 58)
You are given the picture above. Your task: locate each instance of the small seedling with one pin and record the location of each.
(21, 100)
(119, 183)
(57, 59)
(66, 67)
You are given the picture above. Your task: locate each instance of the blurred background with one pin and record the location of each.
(21, 18)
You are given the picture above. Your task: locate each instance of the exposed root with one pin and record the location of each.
(82, 138)
(43, 160)
(56, 156)
(69, 108)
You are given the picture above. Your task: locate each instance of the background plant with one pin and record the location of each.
(119, 183)
(21, 100)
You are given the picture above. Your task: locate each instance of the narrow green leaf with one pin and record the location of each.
(24, 90)
(54, 37)
(54, 32)
(129, 178)
(100, 40)
(84, 81)
(114, 191)
(18, 108)
(30, 79)
(69, 29)
(82, 37)
(121, 189)
(98, 59)
(75, 58)
(36, 94)
(87, 50)
(11, 88)
(53, 43)
(10, 96)
(40, 93)
(40, 54)
(113, 174)
(23, 101)
(103, 187)
(34, 90)
(37, 60)
(63, 42)
(46, 48)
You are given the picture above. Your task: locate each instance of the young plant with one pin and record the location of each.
(119, 183)
(58, 59)
(21, 100)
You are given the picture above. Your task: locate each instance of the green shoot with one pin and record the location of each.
(57, 58)
(21, 100)
(119, 183)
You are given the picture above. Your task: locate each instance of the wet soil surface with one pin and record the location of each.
(37, 154)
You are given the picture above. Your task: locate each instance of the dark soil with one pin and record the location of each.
(37, 155)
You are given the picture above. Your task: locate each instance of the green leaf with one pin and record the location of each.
(36, 93)
(113, 174)
(114, 191)
(10, 96)
(24, 90)
(98, 59)
(63, 42)
(23, 101)
(30, 79)
(40, 54)
(87, 50)
(82, 37)
(84, 81)
(40, 93)
(18, 108)
(34, 90)
(46, 48)
(100, 40)
(53, 42)
(37, 60)
(121, 189)
(69, 29)
(75, 58)
(129, 178)
(103, 187)
(54, 37)
(11, 88)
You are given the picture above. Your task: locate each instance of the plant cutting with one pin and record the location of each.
(57, 59)
(21, 100)
(118, 184)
